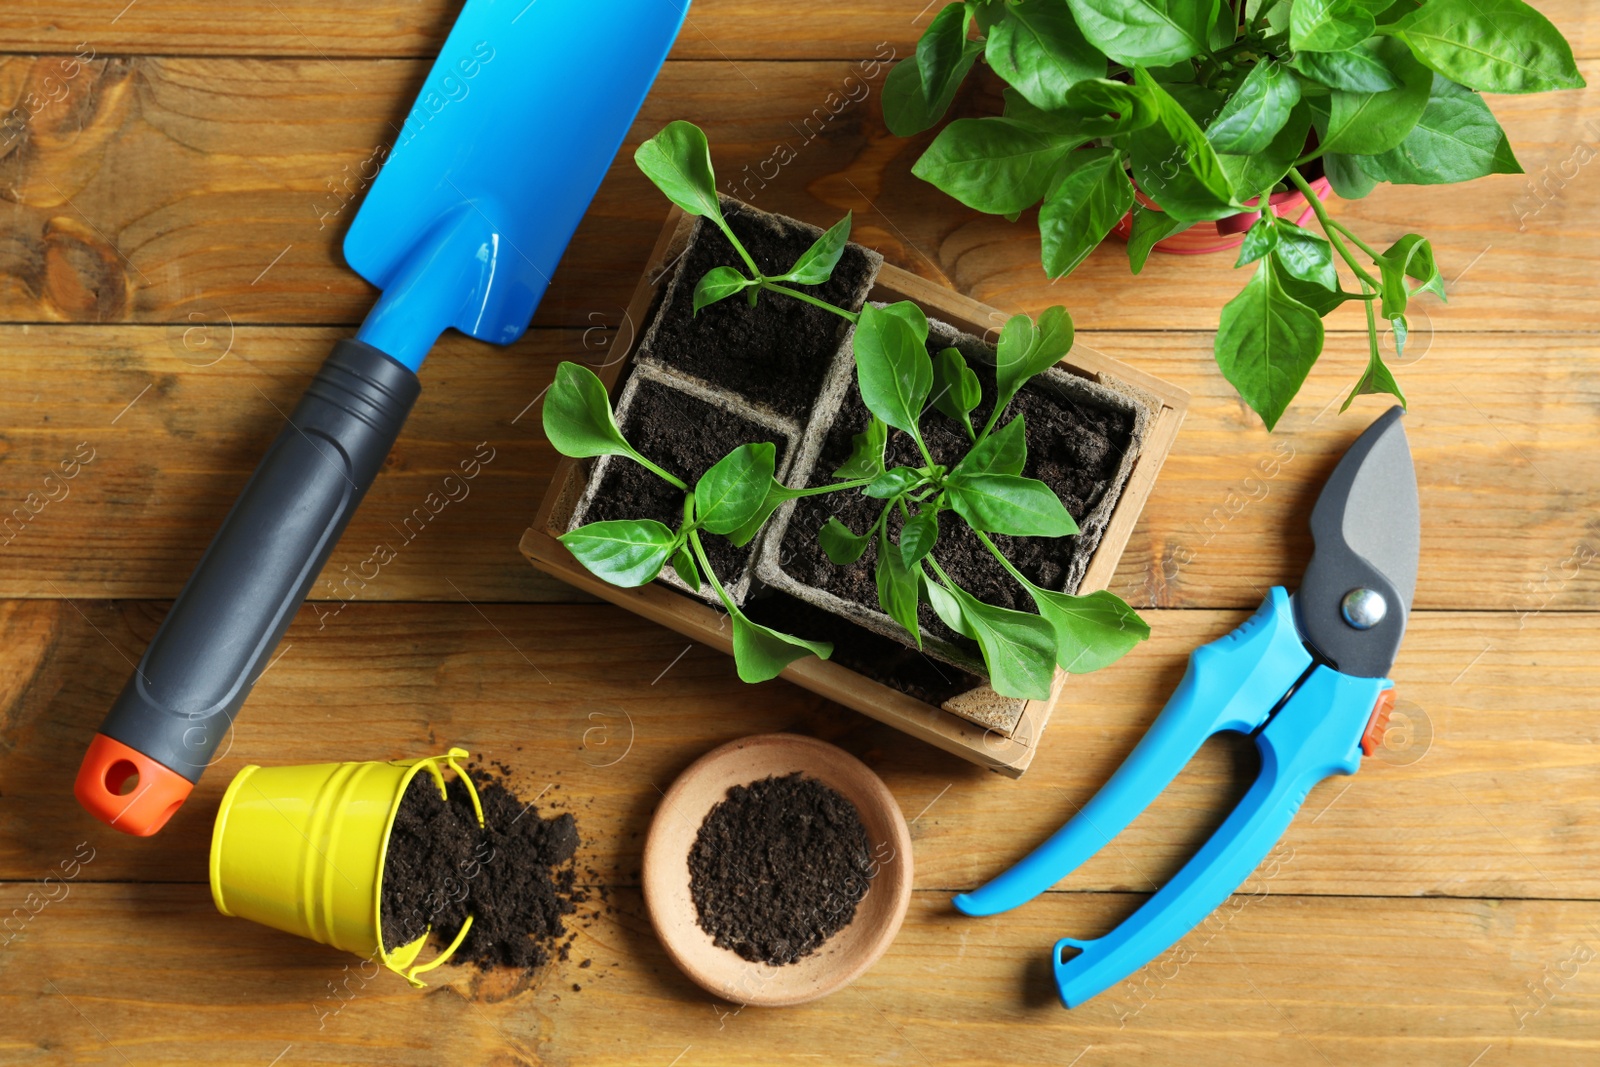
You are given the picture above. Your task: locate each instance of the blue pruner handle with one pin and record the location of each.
(1233, 683)
(1317, 733)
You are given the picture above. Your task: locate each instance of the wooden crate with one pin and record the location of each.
(1008, 754)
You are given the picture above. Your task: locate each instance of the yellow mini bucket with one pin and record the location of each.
(302, 848)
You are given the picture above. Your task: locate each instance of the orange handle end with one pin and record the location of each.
(127, 790)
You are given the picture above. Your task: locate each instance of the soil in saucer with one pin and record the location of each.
(777, 867)
(777, 353)
(686, 436)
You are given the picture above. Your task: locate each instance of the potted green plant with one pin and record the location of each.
(1181, 112)
(770, 405)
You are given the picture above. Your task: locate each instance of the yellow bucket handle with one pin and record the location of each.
(431, 765)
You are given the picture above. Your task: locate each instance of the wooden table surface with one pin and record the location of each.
(169, 279)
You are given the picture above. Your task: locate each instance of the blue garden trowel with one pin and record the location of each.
(490, 173)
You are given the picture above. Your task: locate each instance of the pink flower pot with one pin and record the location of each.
(1226, 233)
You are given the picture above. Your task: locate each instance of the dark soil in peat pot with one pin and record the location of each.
(686, 436)
(514, 875)
(1073, 447)
(777, 353)
(778, 867)
(863, 651)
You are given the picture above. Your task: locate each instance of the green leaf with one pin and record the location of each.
(947, 607)
(761, 654)
(1348, 175)
(1008, 504)
(1155, 33)
(956, 389)
(1019, 648)
(1365, 124)
(892, 367)
(1089, 194)
(1457, 139)
(1259, 239)
(866, 457)
(912, 315)
(719, 283)
(918, 536)
(1377, 378)
(1313, 296)
(840, 544)
(1091, 631)
(683, 563)
(1267, 343)
(1256, 111)
(678, 161)
(941, 49)
(816, 263)
(1004, 451)
(777, 493)
(1100, 107)
(1174, 163)
(1496, 46)
(1358, 70)
(1027, 349)
(624, 552)
(1410, 256)
(577, 416)
(1328, 25)
(892, 483)
(734, 488)
(1038, 49)
(1150, 226)
(997, 165)
(906, 110)
(1265, 169)
(1304, 255)
(1399, 328)
(897, 587)
(1200, 102)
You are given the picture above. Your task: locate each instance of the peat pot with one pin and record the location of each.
(687, 388)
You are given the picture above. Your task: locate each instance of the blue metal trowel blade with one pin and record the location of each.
(497, 161)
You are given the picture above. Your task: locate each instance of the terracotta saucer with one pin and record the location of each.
(841, 959)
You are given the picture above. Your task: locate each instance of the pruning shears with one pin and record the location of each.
(1305, 675)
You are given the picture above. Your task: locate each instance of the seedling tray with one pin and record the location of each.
(1008, 751)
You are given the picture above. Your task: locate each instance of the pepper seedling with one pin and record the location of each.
(899, 382)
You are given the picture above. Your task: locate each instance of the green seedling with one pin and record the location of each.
(900, 383)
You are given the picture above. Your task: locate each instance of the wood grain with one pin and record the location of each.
(607, 709)
(717, 29)
(151, 974)
(193, 191)
(1503, 429)
(176, 418)
(170, 276)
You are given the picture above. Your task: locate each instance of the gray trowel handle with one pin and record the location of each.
(222, 630)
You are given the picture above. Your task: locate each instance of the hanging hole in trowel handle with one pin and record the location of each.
(122, 778)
